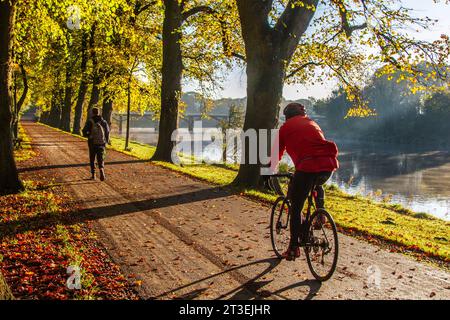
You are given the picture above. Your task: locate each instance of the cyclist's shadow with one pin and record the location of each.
(313, 284)
(242, 293)
(250, 289)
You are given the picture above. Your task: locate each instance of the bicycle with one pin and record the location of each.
(320, 242)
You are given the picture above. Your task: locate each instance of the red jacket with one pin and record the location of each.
(305, 143)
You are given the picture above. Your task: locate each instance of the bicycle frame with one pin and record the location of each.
(311, 195)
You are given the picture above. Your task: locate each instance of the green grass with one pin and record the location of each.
(25, 151)
(220, 175)
(406, 230)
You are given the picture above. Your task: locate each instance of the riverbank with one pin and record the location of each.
(401, 229)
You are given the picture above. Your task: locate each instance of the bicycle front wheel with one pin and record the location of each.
(322, 247)
(279, 226)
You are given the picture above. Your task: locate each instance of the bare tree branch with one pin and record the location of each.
(348, 29)
(139, 8)
(195, 10)
(300, 68)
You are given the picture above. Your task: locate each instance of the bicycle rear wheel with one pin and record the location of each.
(279, 226)
(322, 248)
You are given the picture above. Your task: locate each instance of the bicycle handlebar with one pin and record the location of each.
(281, 175)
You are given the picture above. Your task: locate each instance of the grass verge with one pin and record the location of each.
(40, 238)
(24, 152)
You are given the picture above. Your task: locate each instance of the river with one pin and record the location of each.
(417, 178)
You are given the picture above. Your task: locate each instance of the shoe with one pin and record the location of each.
(102, 175)
(291, 254)
(93, 176)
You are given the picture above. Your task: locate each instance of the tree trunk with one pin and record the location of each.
(25, 87)
(224, 146)
(127, 137)
(44, 118)
(67, 106)
(9, 178)
(21, 101)
(269, 51)
(264, 91)
(15, 128)
(95, 93)
(171, 80)
(54, 117)
(83, 86)
(107, 109)
(14, 105)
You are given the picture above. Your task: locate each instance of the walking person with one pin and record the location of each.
(96, 130)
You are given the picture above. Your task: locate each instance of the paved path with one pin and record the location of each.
(188, 239)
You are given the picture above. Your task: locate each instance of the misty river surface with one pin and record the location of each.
(417, 178)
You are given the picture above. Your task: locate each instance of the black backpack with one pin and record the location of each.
(97, 133)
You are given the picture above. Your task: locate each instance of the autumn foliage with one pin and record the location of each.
(39, 242)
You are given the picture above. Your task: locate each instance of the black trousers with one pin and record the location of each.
(96, 152)
(299, 190)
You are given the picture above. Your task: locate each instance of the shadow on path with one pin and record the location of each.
(11, 228)
(77, 165)
(252, 289)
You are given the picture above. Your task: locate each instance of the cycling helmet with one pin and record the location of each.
(294, 109)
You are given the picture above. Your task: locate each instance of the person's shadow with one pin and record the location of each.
(251, 289)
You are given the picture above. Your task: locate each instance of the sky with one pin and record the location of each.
(235, 83)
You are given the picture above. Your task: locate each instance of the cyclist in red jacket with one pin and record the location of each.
(314, 158)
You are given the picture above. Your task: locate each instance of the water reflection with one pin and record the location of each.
(419, 180)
